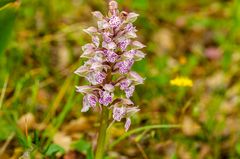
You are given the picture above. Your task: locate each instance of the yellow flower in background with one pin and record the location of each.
(182, 81)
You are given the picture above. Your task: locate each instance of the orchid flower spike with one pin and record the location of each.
(111, 55)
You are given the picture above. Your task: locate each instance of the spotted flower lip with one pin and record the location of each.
(124, 66)
(89, 100)
(129, 91)
(110, 55)
(107, 37)
(106, 97)
(96, 78)
(124, 112)
(124, 84)
(115, 21)
(118, 113)
(127, 124)
(123, 44)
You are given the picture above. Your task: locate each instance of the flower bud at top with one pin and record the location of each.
(113, 6)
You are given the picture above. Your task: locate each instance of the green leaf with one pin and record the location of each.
(238, 148)
(140, 4)
(4, 2)
(90, 153)
(7, 129)
(7, 18)
(53, 149)
(174, 156)
(22, 139)
(81, 146)
(36, 138)
(84, 147)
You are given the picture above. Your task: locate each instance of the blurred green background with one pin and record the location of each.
(40, 45)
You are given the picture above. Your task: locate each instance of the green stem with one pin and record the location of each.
(129, 133)
(101, 143)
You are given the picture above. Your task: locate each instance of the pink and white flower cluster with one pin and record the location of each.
(111, 54)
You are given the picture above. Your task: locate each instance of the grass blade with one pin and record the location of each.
(134, 131)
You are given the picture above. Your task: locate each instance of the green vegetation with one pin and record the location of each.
(40, 45)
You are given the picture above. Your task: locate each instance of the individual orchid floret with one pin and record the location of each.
(123, 102)
(127, 87)
(108, 87)
(114, 21)
(105, 98)
(98, 15)
(129, 91)
(96, 77)
(131, 110)
(103, 24)
(107, 37)
(86, 89)
(96, 41)
(82, 71)
(89, 100)
(88, 50)
(137, 45)
(110, 56)
(118, 113)
(106, 95)
(124, 84)
(130, 31)
(135, 77)
(109, 46)
(113, 8)
(132, 17)
(134, 54)
(125, 66)
(123, 43)
(124, 112)
(91, 31)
